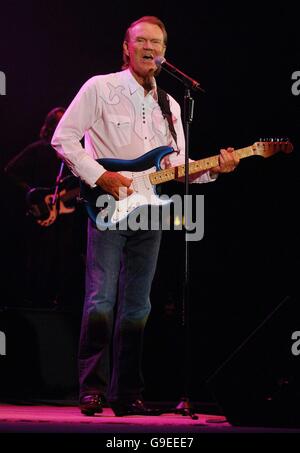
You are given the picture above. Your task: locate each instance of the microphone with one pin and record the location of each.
(185, 79)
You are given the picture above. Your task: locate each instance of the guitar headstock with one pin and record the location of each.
(268, 147)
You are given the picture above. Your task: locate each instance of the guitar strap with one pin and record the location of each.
(164, 103)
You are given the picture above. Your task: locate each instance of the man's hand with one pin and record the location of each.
(227, 161)
(115, 184)
(52, 212)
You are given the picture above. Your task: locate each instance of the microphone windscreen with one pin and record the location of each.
(159, 60)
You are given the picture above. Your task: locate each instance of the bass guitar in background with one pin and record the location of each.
(45, 204)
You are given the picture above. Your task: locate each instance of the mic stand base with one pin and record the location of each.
(184, 408)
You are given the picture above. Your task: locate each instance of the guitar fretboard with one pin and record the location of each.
(169, 174)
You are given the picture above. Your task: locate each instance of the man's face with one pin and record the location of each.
(146, 42)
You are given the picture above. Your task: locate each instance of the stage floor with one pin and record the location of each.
(68, 419)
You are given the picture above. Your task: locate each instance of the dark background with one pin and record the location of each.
(248, 260)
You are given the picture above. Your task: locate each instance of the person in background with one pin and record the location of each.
(51, 228)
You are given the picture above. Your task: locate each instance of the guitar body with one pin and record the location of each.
(39, 201)
(107, 212)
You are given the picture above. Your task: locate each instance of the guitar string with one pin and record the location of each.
(136, 178)
(238, 151)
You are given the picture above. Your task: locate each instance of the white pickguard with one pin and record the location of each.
(143, 195)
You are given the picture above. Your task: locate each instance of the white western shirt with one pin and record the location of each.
(118, 121)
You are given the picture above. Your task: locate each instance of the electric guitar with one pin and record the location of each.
(146, 173)
(40, 201)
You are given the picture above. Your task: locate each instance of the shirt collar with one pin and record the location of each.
(134, 85)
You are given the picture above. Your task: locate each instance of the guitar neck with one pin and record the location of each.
(197, 166)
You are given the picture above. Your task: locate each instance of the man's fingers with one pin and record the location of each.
(123, 192)
(116, 184)
(125, 181)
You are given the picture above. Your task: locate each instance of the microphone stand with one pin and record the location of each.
(184, 406)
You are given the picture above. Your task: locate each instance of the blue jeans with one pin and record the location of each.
(120, 265)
